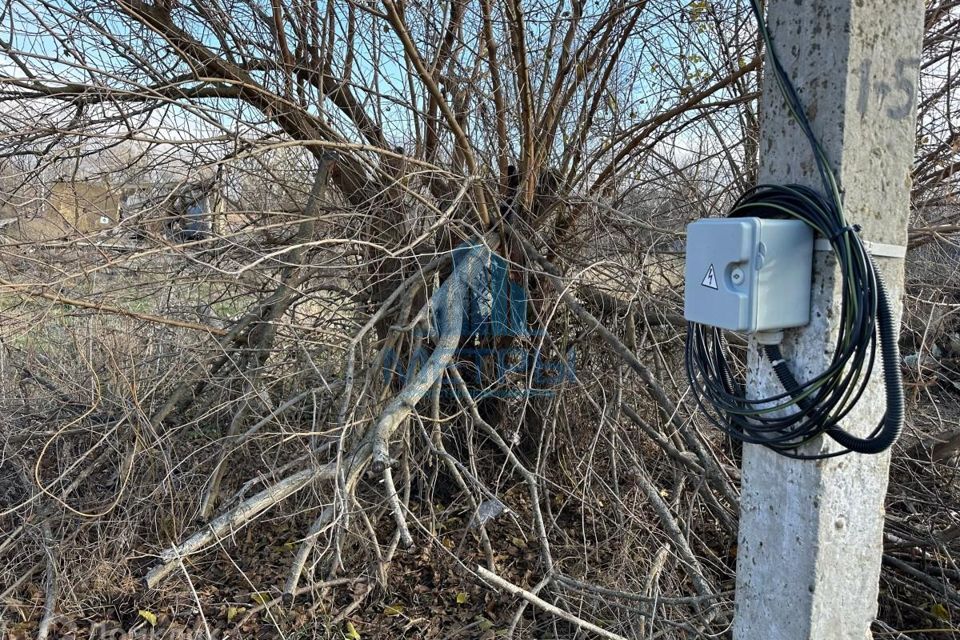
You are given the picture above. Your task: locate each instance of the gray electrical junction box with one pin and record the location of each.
(748, 274)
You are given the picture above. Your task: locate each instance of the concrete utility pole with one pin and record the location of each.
(810, 540)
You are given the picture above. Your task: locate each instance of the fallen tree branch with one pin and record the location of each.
(393, 499)
(672, 529)
(236, 440)
(937, 586)
(352, 476)
(662, 441)
(536, 601)
(51, 584)
(290, 591)
(244, 513)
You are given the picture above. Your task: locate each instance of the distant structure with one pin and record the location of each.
(83, 206)
(178, 210)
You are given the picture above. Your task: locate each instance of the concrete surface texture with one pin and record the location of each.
(810, 540)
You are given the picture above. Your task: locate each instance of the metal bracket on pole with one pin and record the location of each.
(878, 249)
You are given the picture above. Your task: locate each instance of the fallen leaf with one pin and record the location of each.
(260, 597)
(352, 632)
(233, 612)
(393, 610)
(940, 611)
(461, 598)
(149, 616)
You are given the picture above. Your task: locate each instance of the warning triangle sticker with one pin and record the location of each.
(710, 280)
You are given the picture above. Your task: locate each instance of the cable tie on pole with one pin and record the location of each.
(854, 228)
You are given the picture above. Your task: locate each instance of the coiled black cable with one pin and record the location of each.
(804, 411)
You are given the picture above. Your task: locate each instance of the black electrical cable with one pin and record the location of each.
(804, 411)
